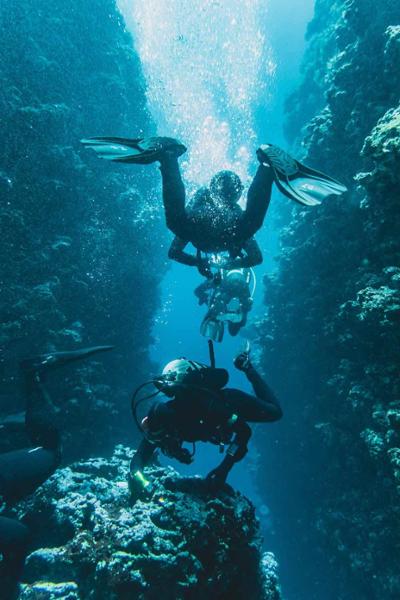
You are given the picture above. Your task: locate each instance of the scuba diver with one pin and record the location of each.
(213, 222)
(22, 471)
(200, 408)
(229, 300)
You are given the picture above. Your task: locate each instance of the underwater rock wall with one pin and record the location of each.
(183, 541)
(82, 247)
(330, 338)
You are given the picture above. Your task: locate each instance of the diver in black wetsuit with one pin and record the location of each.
(213, 221)
(202, 409)
(23, 471)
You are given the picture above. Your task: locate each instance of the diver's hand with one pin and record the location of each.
(242, 361)
(218, 261)
(139, 486)
(184, 456)
(204, 268)
(173, 449)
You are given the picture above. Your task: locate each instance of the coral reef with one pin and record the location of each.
(182, 541)
(80, 263)
(331, 330)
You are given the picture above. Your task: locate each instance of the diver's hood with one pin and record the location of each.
(184, 372)
(226, 185)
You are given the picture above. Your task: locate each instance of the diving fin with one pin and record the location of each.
(13, 422)
(142, 151)
(42, 362)
(297, 181)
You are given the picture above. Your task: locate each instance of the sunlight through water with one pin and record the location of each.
(207, 65)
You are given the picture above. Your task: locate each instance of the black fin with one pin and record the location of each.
(50, 360)
(136, 150)
(297, 181)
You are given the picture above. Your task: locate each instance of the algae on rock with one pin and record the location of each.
(183, 541)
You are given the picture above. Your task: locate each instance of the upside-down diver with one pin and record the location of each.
(23, 471)
(212, 221)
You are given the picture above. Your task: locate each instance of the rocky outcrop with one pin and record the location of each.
(181, 541)
(332, 327)
(81, 246)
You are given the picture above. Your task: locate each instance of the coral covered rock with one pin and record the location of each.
(181, 541)
(331, 330)
(80, 245)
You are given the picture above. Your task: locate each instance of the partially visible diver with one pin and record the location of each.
(229, 300)
(23, 471)
(200, 408)
(213, 222)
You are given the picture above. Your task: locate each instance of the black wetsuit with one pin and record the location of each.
(21, 473)
(213, 228)
(219, 417)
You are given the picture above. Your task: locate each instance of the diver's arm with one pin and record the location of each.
(137, 482)
(271, 407)
(176, 252)
(173, 448)
(263, 392)
(142, 456)
(202, 290)
(253, 257)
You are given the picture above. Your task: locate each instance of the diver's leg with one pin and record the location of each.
(258, 199)
(14, 542)
(22, 471)
(174, 196)
(40, 411)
